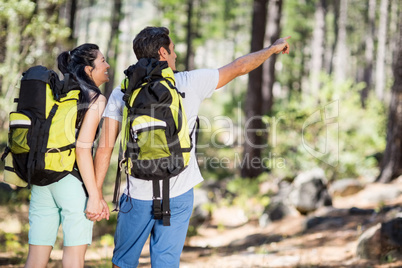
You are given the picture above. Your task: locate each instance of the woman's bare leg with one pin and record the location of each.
(74, 256)
(38, 256)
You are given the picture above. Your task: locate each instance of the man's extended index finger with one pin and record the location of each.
(287, 37)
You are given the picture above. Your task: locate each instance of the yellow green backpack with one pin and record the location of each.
(155, 138)
(41, 138)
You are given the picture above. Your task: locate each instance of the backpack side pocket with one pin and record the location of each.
(15, 170)
(18, 133)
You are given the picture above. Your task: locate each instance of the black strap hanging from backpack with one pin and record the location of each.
(161, 206)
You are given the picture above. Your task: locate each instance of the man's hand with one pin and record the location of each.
(99, 216)
(281, 45)
(105, 212)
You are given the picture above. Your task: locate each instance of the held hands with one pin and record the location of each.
(97, 209)
(281, 45)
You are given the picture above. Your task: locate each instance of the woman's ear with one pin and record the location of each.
(88, 70)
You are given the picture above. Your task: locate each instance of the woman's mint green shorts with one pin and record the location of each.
(64, 203)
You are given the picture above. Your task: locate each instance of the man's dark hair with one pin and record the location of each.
(148, 42)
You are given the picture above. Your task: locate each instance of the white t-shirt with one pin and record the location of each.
(197, 86)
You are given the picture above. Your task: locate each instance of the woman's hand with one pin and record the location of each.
(104, 214)
(94, 209)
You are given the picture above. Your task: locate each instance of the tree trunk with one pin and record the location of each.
(341, 52)
(113, 46)
(333, 7)
(254, 126)
(88, 18)
(369, 52)
(273, 31)
(50, 10)
(317, 48)
(3, 52)
(382, 37)
(391, 166)
(73, 13)
(3, 47)
(190, 52)
(395, 13)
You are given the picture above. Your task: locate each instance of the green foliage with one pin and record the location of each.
(30, 34)
(216, 20)
(242, 186)
(9, 9)
(17, 243)
(342, 137)
(218, 163)
(12, 243)
(330, 130)
(13, 197)
(107, 240)
(298, 20)
(192, 231)
(244, 193)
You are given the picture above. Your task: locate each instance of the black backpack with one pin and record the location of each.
(155, 139)
(41, 138)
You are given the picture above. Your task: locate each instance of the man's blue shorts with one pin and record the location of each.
(64, 203)
(135, 223)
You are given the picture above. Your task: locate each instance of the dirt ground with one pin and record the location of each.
(283, 243)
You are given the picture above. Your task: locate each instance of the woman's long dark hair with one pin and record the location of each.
(74, 63)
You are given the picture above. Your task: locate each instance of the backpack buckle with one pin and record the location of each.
(121, 163)
(147, 79)
(134, 134)
(166, 218)
(156, 208)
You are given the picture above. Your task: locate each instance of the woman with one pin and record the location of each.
(65, 202)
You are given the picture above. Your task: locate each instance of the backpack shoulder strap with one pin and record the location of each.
(62, 88)
(196, 129)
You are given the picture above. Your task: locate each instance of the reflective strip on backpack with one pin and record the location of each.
(149, 125)
(20, 122)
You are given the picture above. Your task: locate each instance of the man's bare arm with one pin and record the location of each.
(109, 132)
(107, 140)
(249, 62)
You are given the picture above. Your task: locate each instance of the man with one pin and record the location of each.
(135, 220)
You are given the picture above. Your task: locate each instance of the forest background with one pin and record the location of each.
(334, 102)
